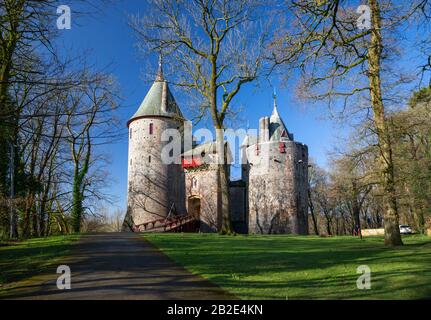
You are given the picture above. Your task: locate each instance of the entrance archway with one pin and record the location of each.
(194, 206)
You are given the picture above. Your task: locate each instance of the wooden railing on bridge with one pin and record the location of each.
(171, 224)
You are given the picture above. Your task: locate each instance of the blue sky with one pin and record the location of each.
(110, 42)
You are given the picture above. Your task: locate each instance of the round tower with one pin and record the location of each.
(155, 188)
(277, 180)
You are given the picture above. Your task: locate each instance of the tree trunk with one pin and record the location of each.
(223, 171)
(356, 214)
(13, 227)
(420, 218)
(76, 201)
(226, 224)
(313, 216)
(9, 42)
(392, 232)
(328, 224)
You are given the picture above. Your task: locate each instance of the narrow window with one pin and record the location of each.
(149, 159)
(194, 182)
(131, 130)
(151, 128)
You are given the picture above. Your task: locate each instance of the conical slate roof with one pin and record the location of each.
(159, 101)
(277, 128)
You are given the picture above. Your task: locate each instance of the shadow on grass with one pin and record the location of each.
(27, 258)
(251, 267)
(304, 267)
(121, 266)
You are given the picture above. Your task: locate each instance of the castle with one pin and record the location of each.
(270, 198)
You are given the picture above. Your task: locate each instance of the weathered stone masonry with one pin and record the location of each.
(277, 179)
(271, 197)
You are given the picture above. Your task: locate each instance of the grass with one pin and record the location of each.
(24, 259)
(304, 267)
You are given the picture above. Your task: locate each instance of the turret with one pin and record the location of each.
(277, 179)
(155, 188)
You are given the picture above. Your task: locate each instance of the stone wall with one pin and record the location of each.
(272, 198)
(152, 185)
(278, 185)
(202, 183)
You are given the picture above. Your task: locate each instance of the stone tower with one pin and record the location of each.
(155, 188)
(277, 179)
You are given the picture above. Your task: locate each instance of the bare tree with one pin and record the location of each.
(322, 201)
(312, 180)
(412, 154)
(342, 59)
(351, 182)
(117, 220)
(88, 123)
(30, 72)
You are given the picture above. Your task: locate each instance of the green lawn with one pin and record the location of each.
(304, 267)
(21, 260)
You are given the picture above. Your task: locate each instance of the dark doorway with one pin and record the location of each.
(194, 206)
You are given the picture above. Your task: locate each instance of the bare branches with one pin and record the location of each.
(211, 46)
(43, 101)
(339, 59)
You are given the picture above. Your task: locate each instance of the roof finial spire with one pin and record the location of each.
(160, 76)
(274, 96)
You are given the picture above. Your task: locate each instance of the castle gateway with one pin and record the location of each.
(270, 198)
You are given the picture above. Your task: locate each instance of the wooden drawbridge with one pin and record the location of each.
(183, 223)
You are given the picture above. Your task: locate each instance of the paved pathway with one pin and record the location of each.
(121, 266)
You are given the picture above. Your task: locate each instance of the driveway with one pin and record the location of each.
(120, 266)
